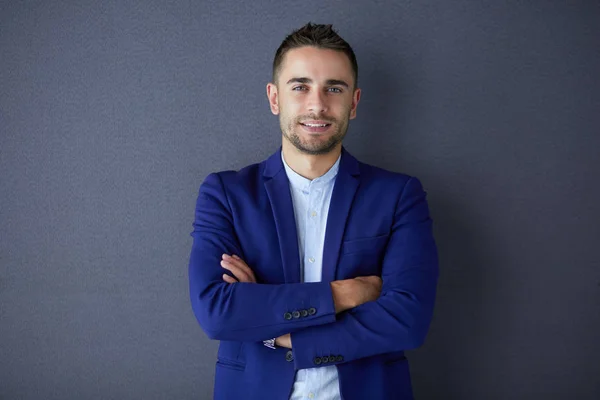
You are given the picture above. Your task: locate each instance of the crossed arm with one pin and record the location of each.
(347, 294)
(396, 319)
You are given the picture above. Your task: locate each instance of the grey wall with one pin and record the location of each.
(113, 112)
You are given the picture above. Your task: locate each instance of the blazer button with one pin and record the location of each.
(331, 359)
(304, 313)
(296, 314)
(339, 359)
(289, 356)
(287, 315)
(312, 311)
(318, 360)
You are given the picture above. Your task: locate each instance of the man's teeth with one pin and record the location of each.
(316, 125)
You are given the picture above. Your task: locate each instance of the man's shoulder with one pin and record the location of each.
(380, 183)
(244, 174)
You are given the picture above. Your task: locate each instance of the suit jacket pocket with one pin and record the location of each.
(373, 244)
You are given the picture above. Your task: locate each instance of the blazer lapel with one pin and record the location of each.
(278, 191)
(344, 190)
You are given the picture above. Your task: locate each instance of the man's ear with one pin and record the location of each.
(273, 98)
(355, 100)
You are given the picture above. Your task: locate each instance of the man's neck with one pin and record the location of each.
(307, 165)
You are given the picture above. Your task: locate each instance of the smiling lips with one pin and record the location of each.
(315, 126)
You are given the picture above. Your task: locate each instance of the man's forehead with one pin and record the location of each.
(316, 64)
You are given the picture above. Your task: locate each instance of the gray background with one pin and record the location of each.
(113, 112)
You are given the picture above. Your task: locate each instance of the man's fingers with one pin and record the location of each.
(229, 279)
(238, 272)
(238, 267)
(237, 261)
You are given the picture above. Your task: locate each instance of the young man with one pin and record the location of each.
(315, 271)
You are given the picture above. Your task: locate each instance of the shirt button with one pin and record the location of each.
(311, 395)
(312, 260)
(313, 214)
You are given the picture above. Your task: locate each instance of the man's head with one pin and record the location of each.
(320, 36)
(314, 88)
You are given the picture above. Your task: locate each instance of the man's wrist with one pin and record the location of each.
(281, 341)
(284, 341)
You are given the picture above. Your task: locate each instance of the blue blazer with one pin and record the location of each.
(378, 224)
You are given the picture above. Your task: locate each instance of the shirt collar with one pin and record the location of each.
(298, 181)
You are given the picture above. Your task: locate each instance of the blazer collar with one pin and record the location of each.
(274, 164)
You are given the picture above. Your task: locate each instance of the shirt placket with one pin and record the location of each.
(311, 229)
(311, 240)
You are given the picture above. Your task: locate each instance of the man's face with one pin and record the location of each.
(315, 98)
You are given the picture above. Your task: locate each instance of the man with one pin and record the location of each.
(315, 271)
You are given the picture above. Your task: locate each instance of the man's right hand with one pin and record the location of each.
(350, 293)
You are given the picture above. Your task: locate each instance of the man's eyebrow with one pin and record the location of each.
(329, 82)
(299, 80)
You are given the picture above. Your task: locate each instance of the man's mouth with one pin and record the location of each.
(315, 126)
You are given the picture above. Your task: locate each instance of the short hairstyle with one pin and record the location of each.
(316, 35)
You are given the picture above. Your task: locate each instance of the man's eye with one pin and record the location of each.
(335, 90)
(299, 88)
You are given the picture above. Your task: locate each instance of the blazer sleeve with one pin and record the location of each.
(243, 311)
(399, 319)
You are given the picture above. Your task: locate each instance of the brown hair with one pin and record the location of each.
(320, 36)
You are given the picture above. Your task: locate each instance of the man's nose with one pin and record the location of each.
(317, 102)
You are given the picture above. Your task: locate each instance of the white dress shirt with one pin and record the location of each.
(311, 201)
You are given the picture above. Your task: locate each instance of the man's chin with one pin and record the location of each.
(313, 144)
(316, 149)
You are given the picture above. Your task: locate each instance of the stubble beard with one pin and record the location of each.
(315, 146)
